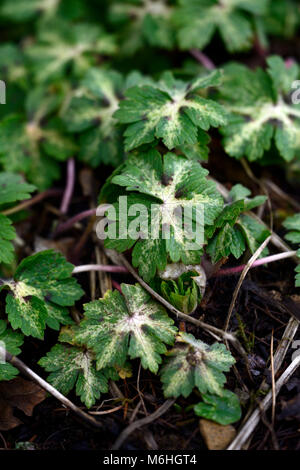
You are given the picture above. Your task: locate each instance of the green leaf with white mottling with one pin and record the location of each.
(139, 23)
(73, 366)
(192, 363)
(90, 112)
(131, 324)
(29, 142)
(10, 341)
(260, 110)
(198, 20)
(170, 110)
(41, 290)
(283, 19)
(25, 10)
(198, 151)
(165, 188)
(61, 45)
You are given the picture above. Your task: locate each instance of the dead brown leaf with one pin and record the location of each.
(21, 394)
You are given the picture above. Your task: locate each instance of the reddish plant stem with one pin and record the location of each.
(259, 262)
(203, 59)
(100, 267)
(69, 223)
(69, 186)
(117, 286)
(34, 200)
(221, 272)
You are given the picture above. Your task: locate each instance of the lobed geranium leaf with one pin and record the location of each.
(7, 233)
(198, 20)
(260, 110)
(192, 363)
(138, 23)
(13, 188)
(165, 188)
(74, 366)
(282, 19)
(10, 340)
(61, 45)
(224, 409)
(40, 291)
(170, 110)
(24, 10)
(31, 142)
(292, 223)
(233, 230)
(131, 324)
(255, 232)
(90, 113)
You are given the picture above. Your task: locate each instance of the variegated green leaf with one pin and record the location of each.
(170, 110)
(192, 363)
(61, 45)
(198, 20)
(138, 22)
(261, 110)
(131, 324)
(41, 290)
(283, 18)
(24, 10)
(73, 366)
(165, 189)
(10, 341)
(90, 113)
(31, 146)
